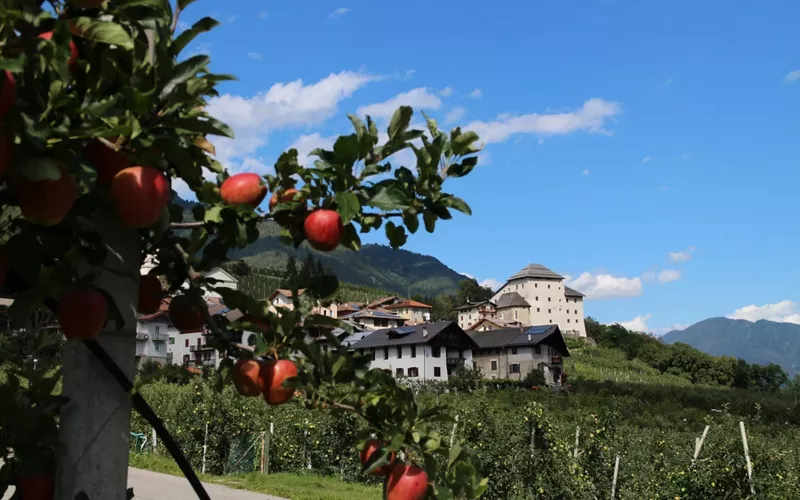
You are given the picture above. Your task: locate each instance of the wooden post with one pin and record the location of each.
(577, 434)
(614, 480)
(698, 444)
(205, 447)
(533, 440)
(263, 445)
(268, 446)
(747, 459)
(453, 434)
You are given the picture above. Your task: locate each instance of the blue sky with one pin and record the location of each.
(646, 149)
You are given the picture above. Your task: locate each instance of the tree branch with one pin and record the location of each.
(175, 18)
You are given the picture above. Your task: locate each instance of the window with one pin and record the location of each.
(461, 354)
(437, 352)
(437, 372)
(548, 286)
(551, 320)
(399, 353)
(548, 299)
(158, 329)
(474, 365)
(373, 355)
(538, 309)
(567, 320)
(187, 343)
(576, 311)
(537, 298)
(536, 285)
(185, 358)
(172, 341)
(516, 314)
(413, 371)
(513, 368)
(513, 350)
(537, 349)
(413, 351)
(494, 365)
(157, 346)
(399, 372)
(385, 353)
(199, 341)
(549, 311)
(462, 317)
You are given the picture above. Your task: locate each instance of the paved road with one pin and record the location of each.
(154, 486)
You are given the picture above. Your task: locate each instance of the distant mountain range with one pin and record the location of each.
(755, 342)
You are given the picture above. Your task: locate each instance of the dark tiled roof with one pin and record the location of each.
(511, 299)
(569, 292)
(513, 337)
(470, 305)
(536, 271)
(382, 301)
(406, 335)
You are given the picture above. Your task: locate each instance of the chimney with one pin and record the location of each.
(529, 337)
(520, 328)
(424, 331)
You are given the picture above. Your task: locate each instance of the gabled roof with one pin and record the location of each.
(569, 292)
(382, 301)
(408, 304)
(372, 313)
(472, 305)
(536, 271)
(286, 293)
(499, 323)
(526, 336)
(511, 299)
(419, 334)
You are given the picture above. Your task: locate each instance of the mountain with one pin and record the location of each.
(760, 342)
(377, 266)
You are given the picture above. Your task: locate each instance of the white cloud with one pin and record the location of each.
(254, 55)
(792, 76)
(484, 159)
(263, 14)
(637, 324)
(492, 283)
(682, 256)
(284, 105)
(648, 276)
(305, 144)
(662, 331)
(468, 275)
(591, 117)
(586, 171)
(339, 12)
(476, 94)
(784, 311)
(668, 275)
(455, 114)
(418, 98)
(446, 92)
(646, 159)
(606, 286)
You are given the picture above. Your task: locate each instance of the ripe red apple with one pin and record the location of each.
(323, 229)
(186, 316)
(140, 195)
(6, 143)
(150, 294)
(46, 202)
(39, 487)
(73, 49)
(243, 189)
(82, 313)
(8, 92)
(405, 482)
(278, 371)
(248, 377)
(3, 267)
(373, 446)
(283, 197)
(105, 160)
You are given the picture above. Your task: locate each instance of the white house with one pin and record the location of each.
(374, 319)
(551, 302)
(421, 352)
(152, 338)
(413, 311)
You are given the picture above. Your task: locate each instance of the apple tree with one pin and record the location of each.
(100, 112)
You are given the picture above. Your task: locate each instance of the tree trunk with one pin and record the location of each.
(95, 423)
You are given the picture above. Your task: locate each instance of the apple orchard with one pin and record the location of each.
(99, 113)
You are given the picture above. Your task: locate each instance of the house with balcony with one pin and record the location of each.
(413, 311)
(152, 338)
(374, 319)
(473, 312)
(510, 353)
(420, 352)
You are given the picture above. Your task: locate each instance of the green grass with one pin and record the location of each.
(286, 485)
(600, 364)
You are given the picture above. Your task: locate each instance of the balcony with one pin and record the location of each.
(196, 348)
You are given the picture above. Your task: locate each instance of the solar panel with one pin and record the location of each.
(537, 330)
(404, 330)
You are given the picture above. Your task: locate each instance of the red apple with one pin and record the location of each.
(40, 487)
(405, 482)
(6, 143)
(140, 195)
(8, 92)
(82, 313)
(370, 447)
(3, 266)
(73, 49)
(248, 377)
(323, 229)
(150, 294)
(243, 189)
(105, 160)
(186, 316)
(277, 372)
(283, 197)
(46, 202)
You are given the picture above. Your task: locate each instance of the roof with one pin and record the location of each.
(372, 313)
(511, 299)
(405, 335)
(382, 301)
(500, 323)
(536, 271)
(471, 305)
(285, 292)
(408, 303)
(516, 337)
(569, 292)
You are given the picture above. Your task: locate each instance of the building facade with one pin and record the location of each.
(414, 312)
(471, 313)
(152, 340)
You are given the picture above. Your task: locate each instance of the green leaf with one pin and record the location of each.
(432, 126)
(463, 168)
(430, 220)
(39, 169)
(102, 32)
(183, 71)
(358, 125)
(455, 452)
(456, 203)
(396, 234)
(389, 198)
(203, 25)
(462, 143)
(13, 65)
(209, 126)
(338, 364)
(182, 4)
(411, 221)
(347, 205)
(350, 238)
(345, 150)
(400, 121)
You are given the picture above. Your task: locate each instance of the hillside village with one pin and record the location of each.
(520, 329)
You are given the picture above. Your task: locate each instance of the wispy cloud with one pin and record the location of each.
(606, 286)
(339, 12)
(455, 114)
(586, 171)
(682, 256)
(792, 76)
(476, 94)
(419, 98)
(254, 55)
(492, 283)
(646, 159)
(784, 311)
(446, 92)
(637, 324)
(668, 275)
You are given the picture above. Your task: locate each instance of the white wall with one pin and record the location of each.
(548, 303)
(151, 340)
(425, 363)
(179, 348)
